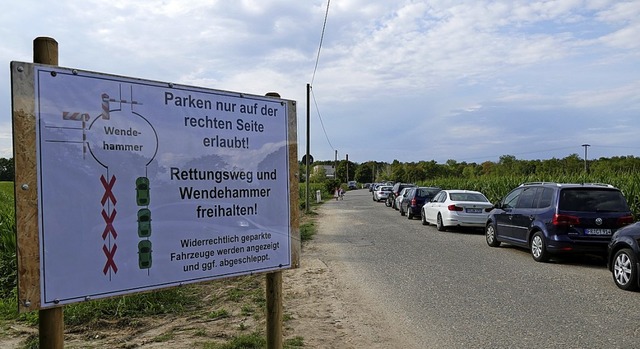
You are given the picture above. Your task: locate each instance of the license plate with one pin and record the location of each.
(597, 231)
(474, 210)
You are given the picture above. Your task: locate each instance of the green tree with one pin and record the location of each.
(488, 168)
(397, 171)
(341, 171)
(429, 169)
(472, 170)
(573, 164)
(363, 174)
(318, 176)
(7, 172)
(453, 168)
(413, 173)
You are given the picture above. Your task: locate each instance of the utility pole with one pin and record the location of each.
(347, 168)
(308, 155)
(335, 166)
(586, 168)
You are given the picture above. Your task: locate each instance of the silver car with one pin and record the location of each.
(401, 197)
(382, 192)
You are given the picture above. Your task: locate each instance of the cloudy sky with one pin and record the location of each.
(407, 80)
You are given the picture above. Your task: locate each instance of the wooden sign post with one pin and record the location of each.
(51, 320)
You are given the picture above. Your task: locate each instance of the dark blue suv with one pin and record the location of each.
(411, 204)
(554, 218)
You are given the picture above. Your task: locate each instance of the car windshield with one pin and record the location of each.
(473, 197)
(592, 200)
(385, 188)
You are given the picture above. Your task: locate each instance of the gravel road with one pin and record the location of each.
(394, 283)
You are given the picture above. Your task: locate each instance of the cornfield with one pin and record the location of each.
(494, 188)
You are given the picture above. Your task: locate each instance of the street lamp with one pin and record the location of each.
(586, 169)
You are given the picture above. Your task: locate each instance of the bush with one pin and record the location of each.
(331, 185)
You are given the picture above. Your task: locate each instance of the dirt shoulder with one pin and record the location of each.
(330, 308)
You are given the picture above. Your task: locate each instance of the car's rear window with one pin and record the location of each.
(592, 200)
(427, 192)
(385, 188)
(473, 197)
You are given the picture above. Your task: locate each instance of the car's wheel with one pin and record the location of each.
(387, 203)
(490, 236)
(539, 248)
(423, 218)
(409, 214)
(625, 270)
(439, 225)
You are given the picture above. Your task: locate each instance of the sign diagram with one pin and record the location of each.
(145, 185)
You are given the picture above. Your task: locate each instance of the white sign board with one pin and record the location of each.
(145, 185)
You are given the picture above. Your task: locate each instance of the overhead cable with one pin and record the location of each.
(319, 117)
(324, 25)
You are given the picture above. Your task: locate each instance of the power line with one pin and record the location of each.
(315, 69)
(516, 154)
(319, 117)
(614, 146)
(324, 25)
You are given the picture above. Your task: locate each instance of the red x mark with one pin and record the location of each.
(109, 228)
(111, 264)
(108, 194)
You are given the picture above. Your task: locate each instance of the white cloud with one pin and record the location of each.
(621, 96)
(407, 62)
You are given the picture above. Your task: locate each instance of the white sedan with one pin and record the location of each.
(382, 192)
(457, 208)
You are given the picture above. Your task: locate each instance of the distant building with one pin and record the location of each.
(329, 170)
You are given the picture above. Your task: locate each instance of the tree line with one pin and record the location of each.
(413, 172)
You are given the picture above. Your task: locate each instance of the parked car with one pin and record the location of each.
(554, 218)
(397, 188)
(412, 203)
(457, 208)
(144, 254)
(623, 257)
(352, 185)
(142, 191)
(144, 223)
(399, 198)
(381, 193)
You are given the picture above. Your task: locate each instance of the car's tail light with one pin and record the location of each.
(454, 208)
(565, 219)
(626, 220)
(413, 202)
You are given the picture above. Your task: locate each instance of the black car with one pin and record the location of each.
(554, 218)
(397, 188)
(411, 204)
(624, 254)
